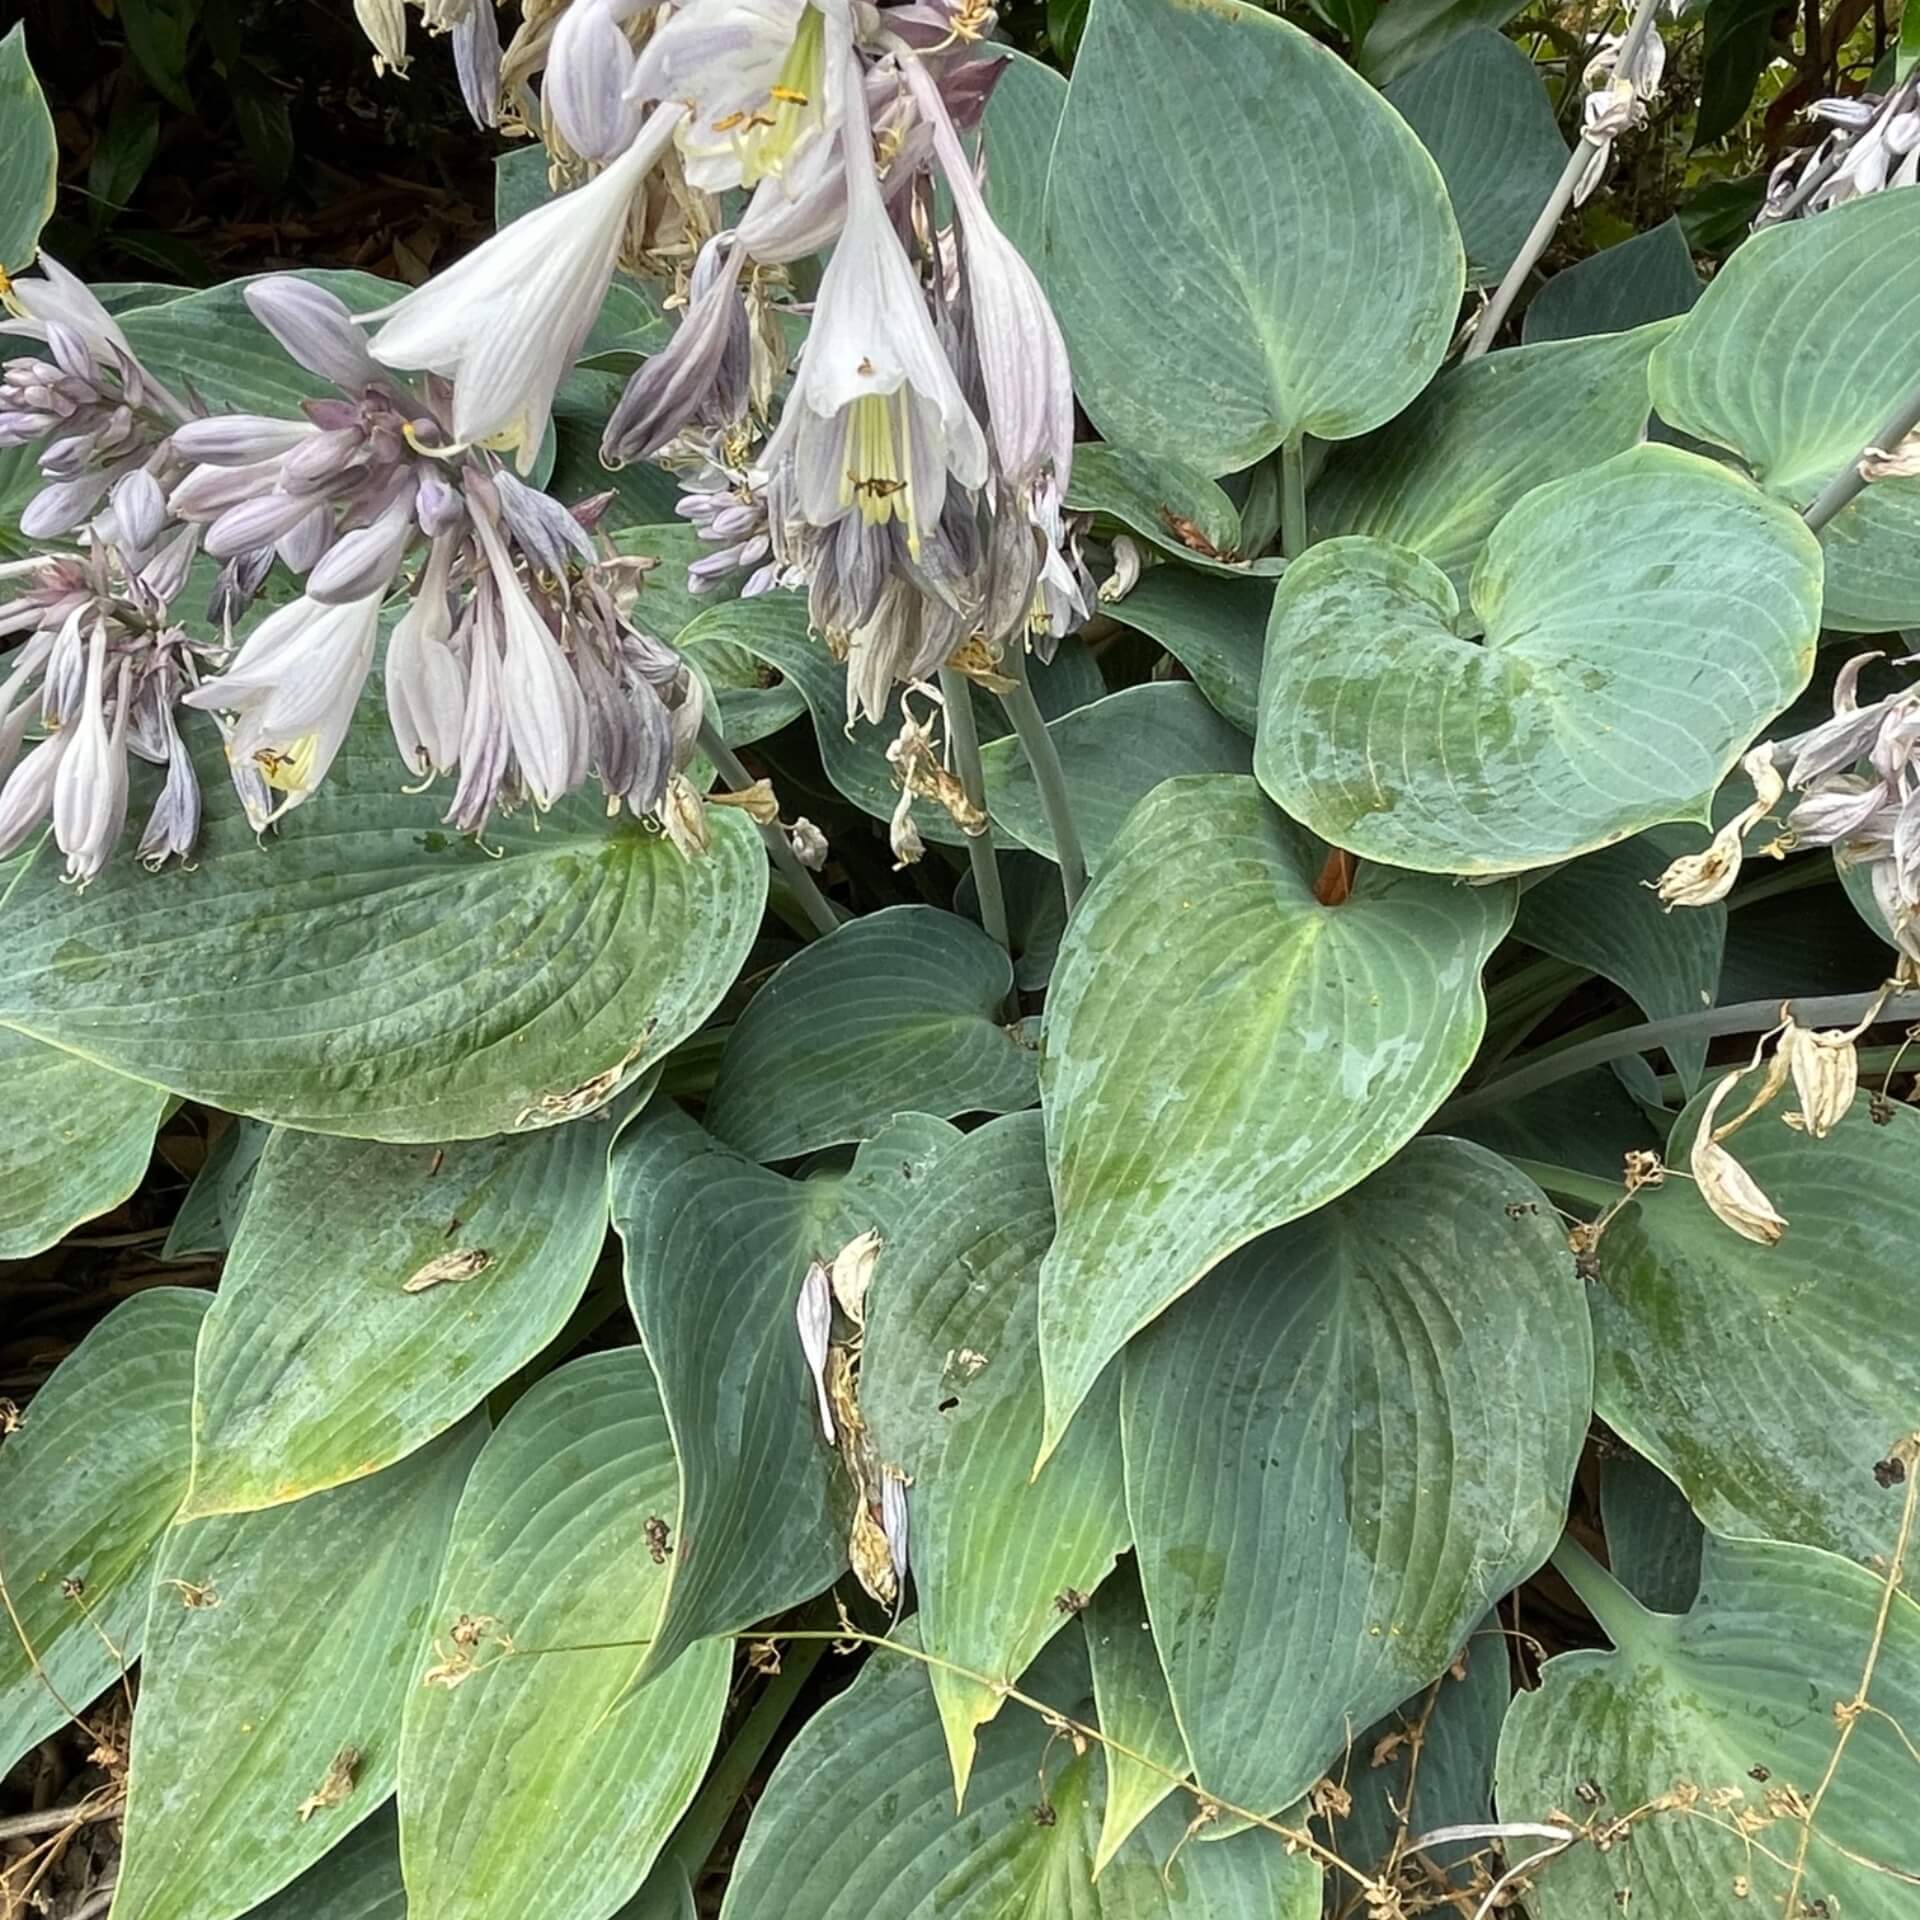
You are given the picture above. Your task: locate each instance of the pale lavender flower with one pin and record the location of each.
(426, 684)
(28, 792)
(700, 375)
(590, 64)
(364, 561)
(90, 782)
(174, 824)
(546, 715)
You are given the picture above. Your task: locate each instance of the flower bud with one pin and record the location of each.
(542, 528)
(365, 560)
(61, 507)
(174, 825)
(814, 1317)
(309, 539)
(256, 523)
(90, 784)
(208, 491)
(28, 792)
(140, 508)
(688, 378)
(590, 63)
(239, 439)
(546, 714)
(476, 61)
(317, 329)
(426, 684)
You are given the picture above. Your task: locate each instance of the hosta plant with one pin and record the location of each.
(1017, 917)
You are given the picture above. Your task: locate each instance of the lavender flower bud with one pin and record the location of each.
(302, 549)
(28, 793)
(476, 60)
(322, 462)
(438, 507)
(66, 672)
(483, 726)
(701, 371)
(140, 509)
(61, 507)
(90, 783)
(317, 329)
(364, 561)
(174, 825)
(208, 491)
(546, 715)
(543, 529)
(71, 354)
(239, 439)
(589, 66)
(256, 523)
(426, 684)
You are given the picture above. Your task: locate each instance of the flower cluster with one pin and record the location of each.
(1872, 142)
(911, 484)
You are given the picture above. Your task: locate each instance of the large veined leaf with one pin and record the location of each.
(950, 1385)
(554, 1546)
(1650, 277)
(1023, 115)
(1223, 1053)
(279, 1648)
(1713, 1735)
(358, 1880)
(377, 1293)
(1356, 1436)
(1613, 691)
(1148, 1757)
(1484, 434)
(716, 1251)
(28, 156)
(1216, 629)
(1481, 109)
(87, 1487)
(754, 701)
(901, 1011)
(1113, 753)
(77, 1142)
(1653, 1538)
(1428, 1764)
(1411, 31)
(1601, 912)
(367, 972)
(1794, 358)
(1230, 276)
(858, 1822)
(210, 1214)
(1768, 1380)
(1167, 502)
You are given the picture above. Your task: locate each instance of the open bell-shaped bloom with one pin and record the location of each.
(876, 423)
(506, 323)
(761, 79)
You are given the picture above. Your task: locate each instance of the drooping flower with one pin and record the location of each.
(426, 684)
(506, 323)
(90, 782)
(876, 424)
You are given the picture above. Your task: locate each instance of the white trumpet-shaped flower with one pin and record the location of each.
(546, 714)
(761, 80)
(505, 324)
(426, 683)
(877, 422)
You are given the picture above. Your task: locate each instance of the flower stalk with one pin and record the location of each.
(1044, 758)
(813, 903)
(1846, 485)
(965, 738)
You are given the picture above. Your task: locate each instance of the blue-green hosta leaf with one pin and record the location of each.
(1653, 1537)
(1484, 434)
(210, 1214)
(377, 1293)
(554, 1546)
(1338, 1441)
(1022, 117)
(1230, 276)
(753, 698)
(1136, 1710)
(28, 156)
(1168, 503)
(366, 971)
(1793, 360)
(1411, 31)
(716, 1251)
(279, 1649)
(358, 1880)
(77, 1142)
(1601, 912)
(1481, 109)
(903, 1011)
(1768, 1380)
(1449, 1764)
(1216, 629)
(1114, 753)
(858, 1822)
(1222, 1053)
(950, 1386)
(87, 1487)
(1614, 691)
(1737, 1700)
(1650, 277)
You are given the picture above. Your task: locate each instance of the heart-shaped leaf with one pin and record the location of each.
(87, 1487)
(28, 156)
(1339, 1441)
(1484, 435)
(279, 1648)
(858, 1819)
(1650, 277)
(950, 1385)
(1794, 358)
(1280, 273)
(1216, 629)
(1481, 109)
(1223, 1053)
(717, 1248)
(1712, 1735)
(902, 1011)
(1768, 1380)
(378, 1293)
(77, 1142)
(1614, 690)
(1113, 753)
(367, 972)
(560, 1543)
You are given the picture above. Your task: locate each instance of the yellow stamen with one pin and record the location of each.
(879, 462)
(289, 771)
(771, 137)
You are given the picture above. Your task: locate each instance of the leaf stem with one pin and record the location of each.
(1750, 1016)
(1294, 538)
(1544, 227)
(1622, 1618)
(957, 691)
(818, 909)
(705, 1821)
(1044, 759)
(1849, 482)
